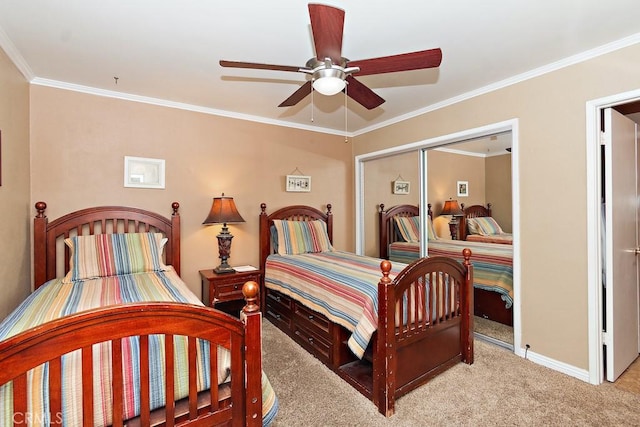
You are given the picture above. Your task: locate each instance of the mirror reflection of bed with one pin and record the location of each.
(493, 262)
(489, 180)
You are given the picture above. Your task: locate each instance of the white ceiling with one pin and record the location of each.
(167, 51)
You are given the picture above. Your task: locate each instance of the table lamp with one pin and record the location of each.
(223, 211)
(452, 208)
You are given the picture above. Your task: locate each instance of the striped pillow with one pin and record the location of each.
(103, 255)
(409, 228)
(483, 225)
(302, 237)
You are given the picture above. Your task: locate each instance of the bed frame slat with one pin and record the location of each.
(170, 404)
(213, 370)
(55, 391)
(144, 380)
(87, 385)
(117, 381)
(193, 383)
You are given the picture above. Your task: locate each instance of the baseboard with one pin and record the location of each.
(572, 371)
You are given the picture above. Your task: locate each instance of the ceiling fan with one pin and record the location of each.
(331, 72)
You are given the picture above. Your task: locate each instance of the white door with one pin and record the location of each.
(621, 287)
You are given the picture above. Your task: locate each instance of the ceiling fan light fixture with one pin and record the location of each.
(329, 81)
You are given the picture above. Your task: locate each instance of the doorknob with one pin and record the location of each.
(637, 251)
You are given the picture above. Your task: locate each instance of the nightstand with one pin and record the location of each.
(220, 288)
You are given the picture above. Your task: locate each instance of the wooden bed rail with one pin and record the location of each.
(50, 341)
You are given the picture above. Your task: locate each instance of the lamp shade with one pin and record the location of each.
(451, 207)
(223, 210)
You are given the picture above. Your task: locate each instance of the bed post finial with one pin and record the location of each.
(41, 207)
(175, 206)
(466, 253)
(385, 266)
(381, 207)
(263, 208)
(329, 209)
(250, 291)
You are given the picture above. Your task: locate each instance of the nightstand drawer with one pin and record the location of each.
(230, 288)
(225, 287)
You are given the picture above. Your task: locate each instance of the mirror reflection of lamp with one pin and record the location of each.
(451, 207)
(223, 211)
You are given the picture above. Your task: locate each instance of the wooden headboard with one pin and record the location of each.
(387, 229)
(48, 236)
(473, 211)
(291, 213)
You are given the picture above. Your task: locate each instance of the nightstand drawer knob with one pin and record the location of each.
(235, 287)
(311, 317)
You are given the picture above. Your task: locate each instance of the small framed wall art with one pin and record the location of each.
(142, 172)
(401, 187)
(463, 188)
(298, 183)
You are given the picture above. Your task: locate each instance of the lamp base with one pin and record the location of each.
(223, 269)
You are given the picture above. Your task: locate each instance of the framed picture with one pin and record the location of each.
(401, 187)
(142, 172)
(463, 188)
(298, 183)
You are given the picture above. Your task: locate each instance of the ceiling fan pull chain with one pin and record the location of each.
(312, 105)
(346, 138)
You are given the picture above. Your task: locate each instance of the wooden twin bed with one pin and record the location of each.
(75, 344)
(421, 326)
(479, 211)
(493, 263)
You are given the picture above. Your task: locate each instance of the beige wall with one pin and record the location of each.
(498, 189)
(552, 126)
(444, 170)
(78, 144)
(15, 241)
(378, 177)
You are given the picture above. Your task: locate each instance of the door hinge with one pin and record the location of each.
(605, 338)
(603, 138)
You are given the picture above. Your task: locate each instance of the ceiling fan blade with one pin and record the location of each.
(298, 95)
(362, 94)
(404, 62)
(238, 64)
(327, 24)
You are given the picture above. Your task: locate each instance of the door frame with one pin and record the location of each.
(512, 126)
(594, 217)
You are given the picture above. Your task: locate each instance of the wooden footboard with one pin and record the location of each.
(426, 323)
(239, 405)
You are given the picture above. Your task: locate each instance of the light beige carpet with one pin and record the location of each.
(630, 379)
(499, 389)
(493, 329)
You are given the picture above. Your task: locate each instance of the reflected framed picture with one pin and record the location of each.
(143, 172)
(298, 183)
(401, 187)
(463, 188)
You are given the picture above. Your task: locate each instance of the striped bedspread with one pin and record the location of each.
(341, 285)
(492, 262)
(505, 238)
(405, 252)
(56, 299)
